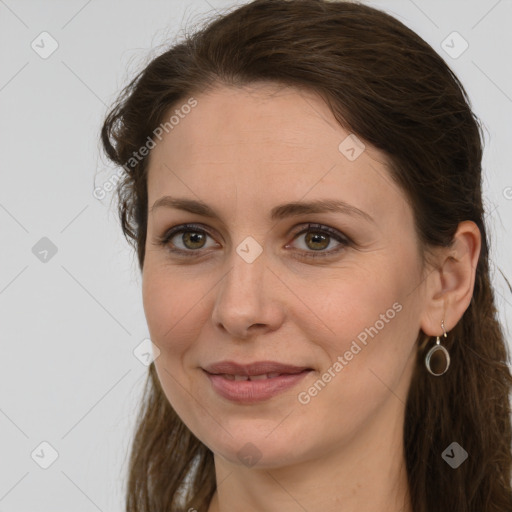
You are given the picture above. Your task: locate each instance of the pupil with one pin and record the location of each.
(318, 238)
(193, 238)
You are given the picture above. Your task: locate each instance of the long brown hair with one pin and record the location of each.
(389, 87)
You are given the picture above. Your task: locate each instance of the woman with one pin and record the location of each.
(303, 189)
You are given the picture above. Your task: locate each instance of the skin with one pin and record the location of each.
(243, 151)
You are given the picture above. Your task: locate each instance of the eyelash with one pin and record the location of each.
(314, 228)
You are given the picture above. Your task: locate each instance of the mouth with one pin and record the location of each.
(254, 382)
(263, 376)
(258, 368)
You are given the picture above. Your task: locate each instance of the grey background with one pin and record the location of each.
(69, 325)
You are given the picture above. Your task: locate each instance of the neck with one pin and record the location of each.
(366, 473)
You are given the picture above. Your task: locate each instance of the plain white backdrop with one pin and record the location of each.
(70, 289)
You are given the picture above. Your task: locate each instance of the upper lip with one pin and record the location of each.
(256, 368)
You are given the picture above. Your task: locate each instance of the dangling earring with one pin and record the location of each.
(437, 359)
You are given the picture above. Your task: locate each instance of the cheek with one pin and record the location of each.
(371, 320)
(353, 305)
(171, 305)
(365, 360)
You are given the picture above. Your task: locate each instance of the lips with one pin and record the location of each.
(263, 376)
(259, 368)
(255, 382)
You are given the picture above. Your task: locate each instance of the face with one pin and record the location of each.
(319, 306)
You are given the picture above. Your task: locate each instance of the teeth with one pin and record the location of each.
(252, 377)
(258, 377)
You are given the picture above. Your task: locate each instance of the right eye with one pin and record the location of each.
(185, 239)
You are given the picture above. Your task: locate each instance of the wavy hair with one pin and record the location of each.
(384, 83)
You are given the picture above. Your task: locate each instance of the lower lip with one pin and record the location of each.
(247, 391)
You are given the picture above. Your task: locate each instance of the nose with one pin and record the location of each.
(246, 300)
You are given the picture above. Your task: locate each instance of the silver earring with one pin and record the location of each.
(437, 359)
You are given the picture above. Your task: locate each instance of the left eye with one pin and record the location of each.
(318, 238)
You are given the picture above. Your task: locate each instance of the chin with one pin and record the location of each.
(256, 444)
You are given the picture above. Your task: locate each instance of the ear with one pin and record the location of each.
(450, 285)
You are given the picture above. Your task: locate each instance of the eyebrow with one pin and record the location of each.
(277, 213)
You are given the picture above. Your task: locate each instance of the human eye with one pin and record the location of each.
(193, 240)
(318, 238)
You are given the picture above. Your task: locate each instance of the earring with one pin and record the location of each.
(437, 359)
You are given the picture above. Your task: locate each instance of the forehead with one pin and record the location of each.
(263, 113)
(267, 143)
